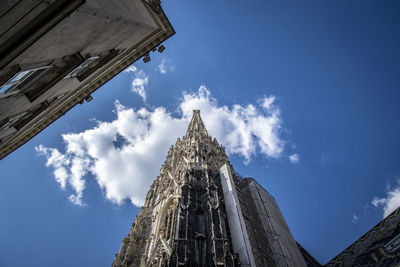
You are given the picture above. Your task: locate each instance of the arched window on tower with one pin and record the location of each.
(167, 222)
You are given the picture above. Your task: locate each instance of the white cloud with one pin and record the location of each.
(294, 158)
(67, 170)
(378, 201)
(268, 102)
(162, 67)
(131, 68)
(165, 66)
(138, 84)
(125, 155)
(241, 129)
(390, 202)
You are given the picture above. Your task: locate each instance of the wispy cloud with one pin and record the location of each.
(376, 202)
(294, 158)
(124, 155)
(354, 219)
(390, 202)
(241, 129)
(268, 102)
(139, 83)
(131, 68)
(67, 170)
(165, 66)
(162, 67)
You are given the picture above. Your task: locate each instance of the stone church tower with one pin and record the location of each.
(199, 212)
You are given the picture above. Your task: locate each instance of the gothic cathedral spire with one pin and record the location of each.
(198, 212)
(196, 126)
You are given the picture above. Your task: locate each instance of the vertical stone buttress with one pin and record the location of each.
(183, 221)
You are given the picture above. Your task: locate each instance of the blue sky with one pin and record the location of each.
(322, 76)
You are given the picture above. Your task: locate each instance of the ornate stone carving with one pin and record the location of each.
(186, 219)
(183, 220)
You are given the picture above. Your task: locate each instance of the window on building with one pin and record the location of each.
(20, 77)
(90, 65)
(22, 121)
(6, 126)
(34, 88)
(86, 64)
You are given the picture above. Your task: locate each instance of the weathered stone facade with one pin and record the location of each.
(199, 212)
(54, 54)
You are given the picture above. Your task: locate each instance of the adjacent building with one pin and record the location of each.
(55, 53)
(380, 246)
(200, 212)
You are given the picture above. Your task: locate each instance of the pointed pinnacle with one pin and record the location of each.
(196, 125)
